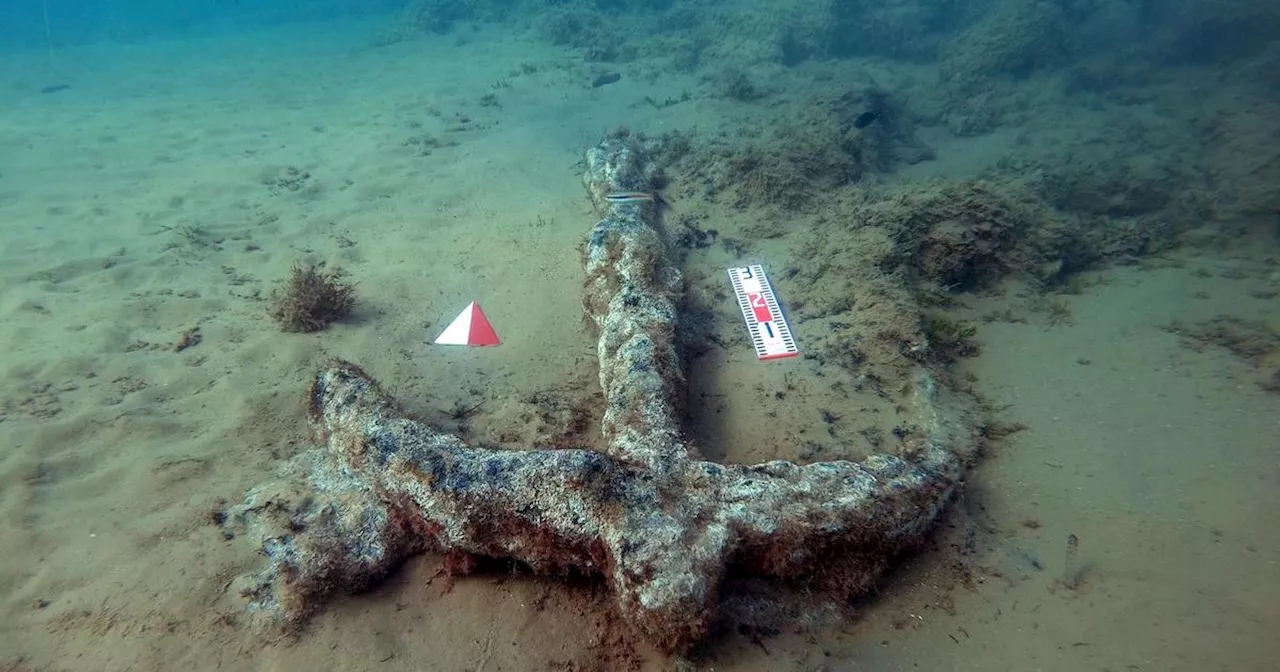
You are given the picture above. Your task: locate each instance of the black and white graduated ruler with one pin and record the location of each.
(765, 322)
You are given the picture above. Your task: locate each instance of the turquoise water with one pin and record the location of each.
(1066, 211)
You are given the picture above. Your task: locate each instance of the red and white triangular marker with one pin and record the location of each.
(470, 327)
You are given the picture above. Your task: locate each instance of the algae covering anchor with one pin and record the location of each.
(660, 526)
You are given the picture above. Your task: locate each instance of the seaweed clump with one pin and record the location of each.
(950, 338)
(967, 236)
(312, 299)
(1254, 341)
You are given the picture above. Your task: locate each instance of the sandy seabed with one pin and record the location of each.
(172, 185)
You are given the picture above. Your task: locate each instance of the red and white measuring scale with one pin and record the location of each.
(769, 331)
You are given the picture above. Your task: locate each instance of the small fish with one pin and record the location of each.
(864, 120)
(606, 78)
(633, 197)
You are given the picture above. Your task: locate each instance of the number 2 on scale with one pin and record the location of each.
(759, 308)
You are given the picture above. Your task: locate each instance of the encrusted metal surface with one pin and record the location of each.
(659, 524)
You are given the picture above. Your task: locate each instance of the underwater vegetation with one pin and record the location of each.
(312, 298)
